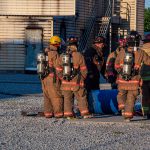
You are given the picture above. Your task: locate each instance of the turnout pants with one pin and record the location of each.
(126, 100)
(53, 102)
(80, 95)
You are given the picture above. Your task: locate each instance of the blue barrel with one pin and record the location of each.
(103, 101)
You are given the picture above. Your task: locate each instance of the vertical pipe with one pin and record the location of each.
(110, 35)
(135, 27)
(52, 27)
(113, 5)
(119, 33)
(110, 28)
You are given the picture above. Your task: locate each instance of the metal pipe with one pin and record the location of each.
(110, 40)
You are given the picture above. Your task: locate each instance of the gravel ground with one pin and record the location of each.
(37, 133)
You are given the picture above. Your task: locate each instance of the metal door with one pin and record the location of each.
(33, 47)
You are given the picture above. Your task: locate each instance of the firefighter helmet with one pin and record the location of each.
(99, 39)
(55, 40)
(72, 40)
(133, 39)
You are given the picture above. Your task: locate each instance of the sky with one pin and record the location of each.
(147, 3)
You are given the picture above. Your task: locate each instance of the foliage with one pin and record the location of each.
(147, 20)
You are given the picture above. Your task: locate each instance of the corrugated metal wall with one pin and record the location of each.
(140, 16)
(128, 16)
(16, 16)
(75, 25)
(132, 14)
(12, 28)
(37, 7)
(12, 39)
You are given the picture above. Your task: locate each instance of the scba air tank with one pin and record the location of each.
(41, 59)
(127, 66)
(66, 61)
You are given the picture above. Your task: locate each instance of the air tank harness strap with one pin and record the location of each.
(53, 70)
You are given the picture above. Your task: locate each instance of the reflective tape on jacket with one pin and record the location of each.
(51, 75)
(83, 68)
(75, 66)
(73, 83)
(130, 81)
(50, 63)
(68, 88)
(118, 66)
(136, 66)
(59, 68)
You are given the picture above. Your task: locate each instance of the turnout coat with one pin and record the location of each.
(140, 57)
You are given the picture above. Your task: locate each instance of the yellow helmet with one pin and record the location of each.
(55, 40)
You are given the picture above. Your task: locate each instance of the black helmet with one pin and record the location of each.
(72, 40)
(99, 39)
(133, 39)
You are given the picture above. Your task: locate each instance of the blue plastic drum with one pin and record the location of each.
(103, 101)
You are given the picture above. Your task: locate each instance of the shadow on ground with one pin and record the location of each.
(14, 85)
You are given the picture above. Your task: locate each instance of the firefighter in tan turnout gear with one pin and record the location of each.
(53, 101)
(111, 73)
(128, 65)
(72, 71)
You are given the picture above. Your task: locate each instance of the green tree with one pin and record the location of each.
(147, 20)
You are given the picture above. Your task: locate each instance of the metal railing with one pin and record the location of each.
(83, 43)
(105, 21)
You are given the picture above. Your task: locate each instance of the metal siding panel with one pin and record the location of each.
(40, 8)
(75, 25)
(12, 39)
(140, 17)
(128, 22)
(136, 16)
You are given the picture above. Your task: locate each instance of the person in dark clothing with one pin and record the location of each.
(95, 63)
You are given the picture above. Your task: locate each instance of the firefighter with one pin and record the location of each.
(95, 63)
(72, 71)
(110, 72)
(128, 65)
(53, 102)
